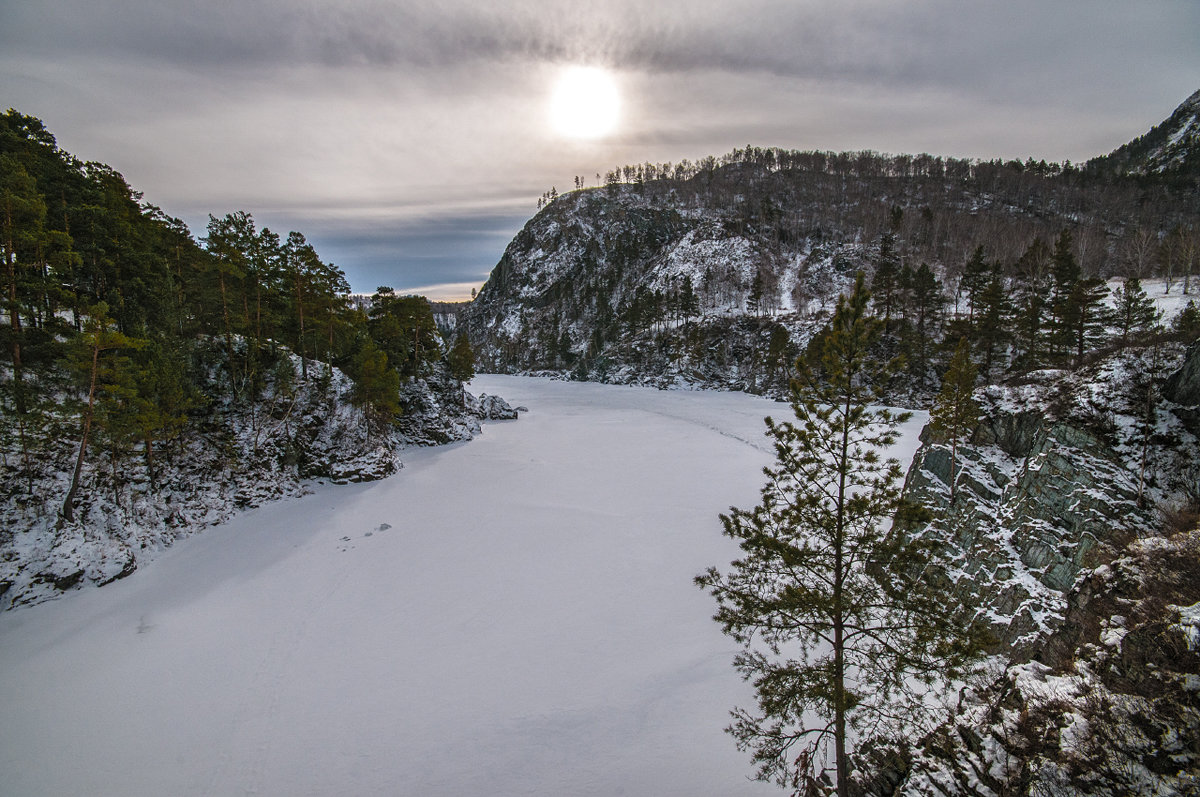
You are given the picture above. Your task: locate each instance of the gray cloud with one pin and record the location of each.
(390, 131)
(1020, 51)
(929, 40)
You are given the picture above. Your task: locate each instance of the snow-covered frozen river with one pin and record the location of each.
(510, 616)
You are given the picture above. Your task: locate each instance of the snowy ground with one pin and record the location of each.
(1169, 304)
(510, 616)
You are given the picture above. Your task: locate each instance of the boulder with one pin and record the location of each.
(491, 408)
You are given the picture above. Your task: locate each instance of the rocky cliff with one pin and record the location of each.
(684, 274)
(300, 432)
(1073, 530)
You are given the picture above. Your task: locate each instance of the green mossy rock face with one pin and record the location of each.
(1043, 495)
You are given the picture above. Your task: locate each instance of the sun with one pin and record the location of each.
(585, 103)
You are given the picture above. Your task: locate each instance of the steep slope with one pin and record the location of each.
(229, 458)
(687, 275)
(1073, 530)
(609, 285)
(1170, 149)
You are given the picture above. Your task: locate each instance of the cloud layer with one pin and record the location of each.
(411, 137)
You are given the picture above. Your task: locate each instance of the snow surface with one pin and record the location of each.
(1169, 304)
(510, 616)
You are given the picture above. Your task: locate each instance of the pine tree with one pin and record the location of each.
(689, 304)
(461, 359)
(977, 273)
(754, 300)
(100, 336)
(227, 261)
(22, 222)
(404, 328)
(991, 329)
(299, 260)
(1031, 297)
(22, 219)
(1065, 275)
(925, 311)
(163, 400)
(1188, 321)
(376, 384)
(1084, 315)
(955, 413)
(840, 625)
(885, 283)
(779, 353)
(1134, 311)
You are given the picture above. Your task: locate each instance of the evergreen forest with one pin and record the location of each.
(124, 335)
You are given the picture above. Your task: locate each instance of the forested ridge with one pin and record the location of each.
(129, 346)
(714, 272)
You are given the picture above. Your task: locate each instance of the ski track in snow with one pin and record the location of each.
(510, 616)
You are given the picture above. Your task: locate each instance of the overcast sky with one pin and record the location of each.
(410, 140)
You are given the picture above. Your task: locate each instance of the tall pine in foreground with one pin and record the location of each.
(844, 624)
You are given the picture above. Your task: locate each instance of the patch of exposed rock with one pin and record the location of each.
(492, 408)
(1073, 530)
(1052, 482)
(1114, 710)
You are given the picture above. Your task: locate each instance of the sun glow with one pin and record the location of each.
(585, 103)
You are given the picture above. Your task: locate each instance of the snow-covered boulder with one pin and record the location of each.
(490, 408)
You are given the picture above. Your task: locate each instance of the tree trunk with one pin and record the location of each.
(839, 644)
(303, 354)
(228, 333)
(150, 462)
(68, 509)
(14, 317)
(953, 461)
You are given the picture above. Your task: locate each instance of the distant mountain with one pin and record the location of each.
(715, 273)
(1169, 150)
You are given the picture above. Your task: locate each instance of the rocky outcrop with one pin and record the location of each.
(1031, 507)
(1183, 388)
(1051, 482)
(1113, 709)
(239, 456)
(1056, 535)
(435, 410)
(492, 408)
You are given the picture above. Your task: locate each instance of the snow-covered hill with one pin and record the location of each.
(1171, 148)
(688, 279)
